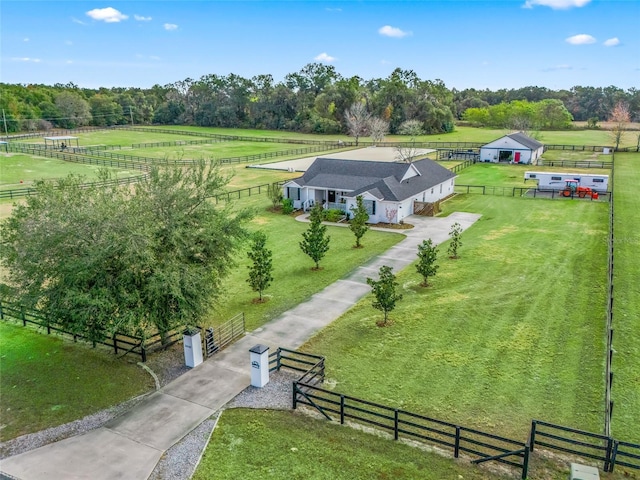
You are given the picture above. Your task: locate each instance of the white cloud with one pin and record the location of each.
(170, 27)
(107, 15)
(557, 68)
(26, 39)
(389, 31)
(140, 18)
(556, 4)
(154, 57)
(68, 42)
(69, 62)
(323, 57)
(612, 42)
(333, 9)
(79, 22)
(580, 39)
(26, 59)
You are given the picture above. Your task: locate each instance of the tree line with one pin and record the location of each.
(312, 100)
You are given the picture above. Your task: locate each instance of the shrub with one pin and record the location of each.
(287, 206)
(332, 215)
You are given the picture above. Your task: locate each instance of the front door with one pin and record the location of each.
(332, 196)
(516, 159)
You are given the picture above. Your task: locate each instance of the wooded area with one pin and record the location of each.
(311, 100)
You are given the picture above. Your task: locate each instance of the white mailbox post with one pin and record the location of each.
(259, 365)
(192, 348)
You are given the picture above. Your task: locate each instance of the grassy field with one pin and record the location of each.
(26, 168)
(294, 281)
(461, 134)
(511, 175)
(120, 137)
(277, 444)
(513, 330)
(626, 322)
(47, 381)
(244, 177)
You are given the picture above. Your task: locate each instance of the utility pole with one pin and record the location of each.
(4, 119)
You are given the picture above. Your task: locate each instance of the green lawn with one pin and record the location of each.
(492, 174)
(278, 444)
(16, 167)
(250, 177)
(46, 381)
(626, 322)
(120, 137)
(294, 281)
(513, 330)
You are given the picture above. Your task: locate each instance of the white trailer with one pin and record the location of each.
(557, 180)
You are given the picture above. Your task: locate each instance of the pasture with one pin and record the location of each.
(513, 330)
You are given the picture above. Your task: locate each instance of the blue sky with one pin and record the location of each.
(467, 44)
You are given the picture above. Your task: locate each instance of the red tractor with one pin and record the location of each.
(573, 187)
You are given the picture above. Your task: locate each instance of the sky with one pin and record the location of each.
(467, 44)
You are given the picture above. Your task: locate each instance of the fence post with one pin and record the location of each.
(614, 454)
(115, 343)
(456, 448)
(143, 352)
(22, 315)
(295, 396)
(278, 358)
(525, 462)
(395, 424)
(341, 409)
(607, 461)
(1, 311)
(532, 435)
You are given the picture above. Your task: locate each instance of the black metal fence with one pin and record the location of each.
(530, 192)
(461, 166)
(597, 447)
(216, 338)
(575, 163)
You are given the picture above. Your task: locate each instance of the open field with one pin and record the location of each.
(492, 174)
(119, 136)
(16, 167)
(47, 381)
(626, 321)
(513, 330)
(277, 444)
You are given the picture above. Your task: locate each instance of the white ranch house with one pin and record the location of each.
(389, 190)
(512, 148)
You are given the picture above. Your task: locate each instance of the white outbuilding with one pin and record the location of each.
(512, 148)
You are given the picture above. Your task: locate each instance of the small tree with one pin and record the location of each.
(260, 271)
(456, 242)
(427, 256)
(315, 241)
(274, 192)
(385, 292)
(357, 121)
(407, 152)
(358, 224)
(378, 128)
(620, 117)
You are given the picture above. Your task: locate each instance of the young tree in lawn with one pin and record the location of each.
(427, 256)
(315, 241)
(274, 193)
(260, 270)
(455, 233)
(385, 292)
(357, 121)
(620, 117)
(358, 224)
(103, 259)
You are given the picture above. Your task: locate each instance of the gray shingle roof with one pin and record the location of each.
(525, 140)
(381, 179)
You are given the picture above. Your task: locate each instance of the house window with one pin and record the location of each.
(532, 175)
(598, 180)
(440, 188)
(452, 182)
(432, 191)
(556, 178)
(370, 206)
(293, 193)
